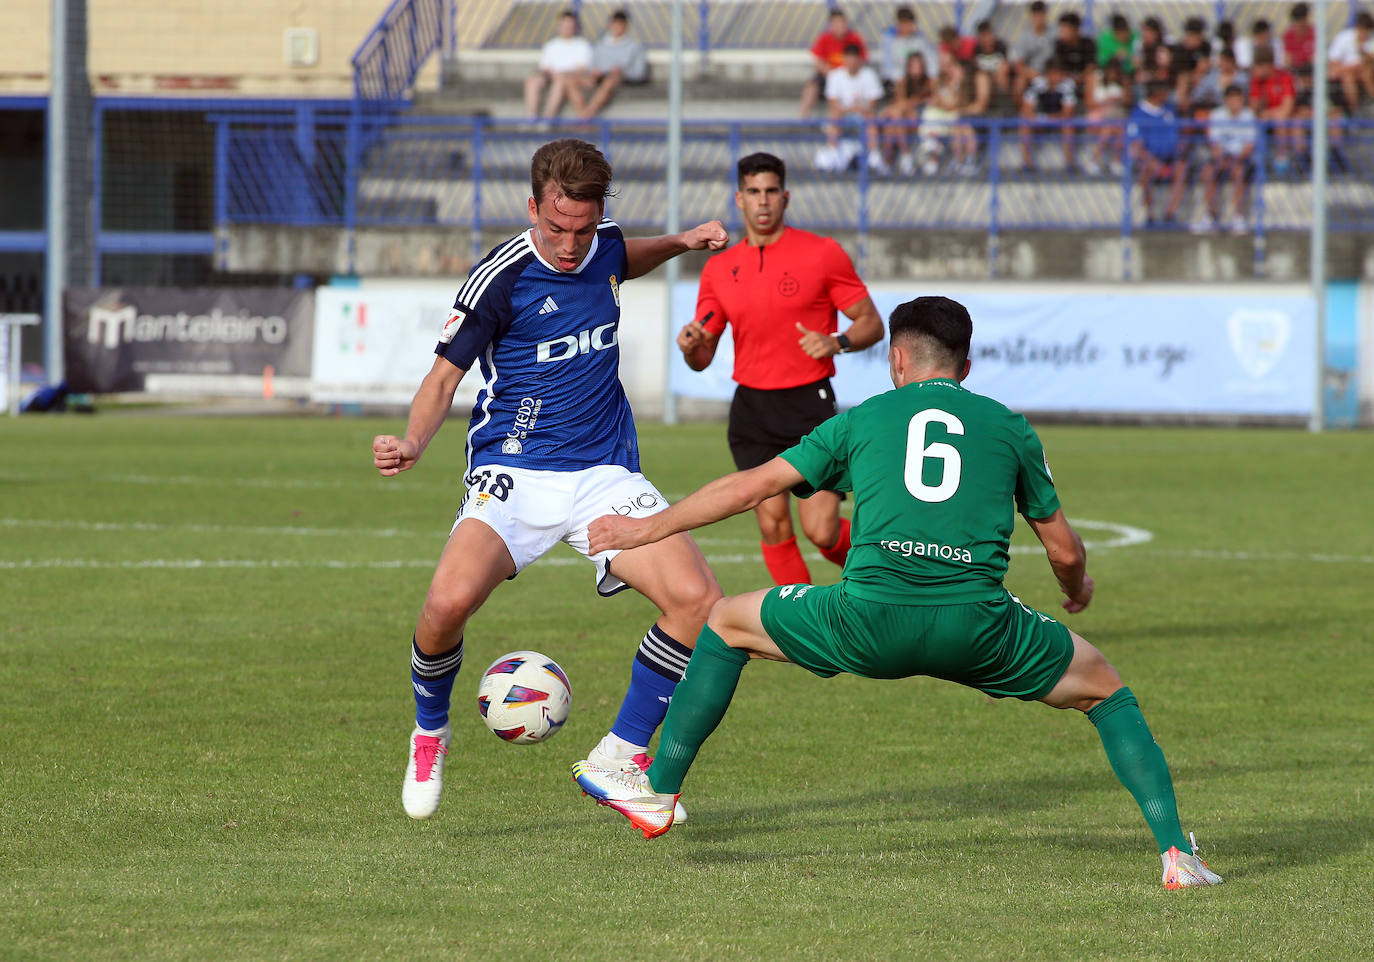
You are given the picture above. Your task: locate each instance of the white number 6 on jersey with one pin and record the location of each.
(917, 451)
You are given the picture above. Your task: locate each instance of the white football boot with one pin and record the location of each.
(1183, 871)
(629, 795)
(636, 766)
(424, 781)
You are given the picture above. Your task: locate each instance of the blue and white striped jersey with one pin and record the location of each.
(548, 345)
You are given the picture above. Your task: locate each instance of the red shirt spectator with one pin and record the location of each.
(1270, 91)
(830, 48)
(1300, 40)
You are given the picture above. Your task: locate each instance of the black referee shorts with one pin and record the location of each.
(763, 424)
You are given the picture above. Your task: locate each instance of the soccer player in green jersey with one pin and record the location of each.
(935, 470)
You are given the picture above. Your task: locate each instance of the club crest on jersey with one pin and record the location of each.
(615, 290)
(455, 321)
(512, 446)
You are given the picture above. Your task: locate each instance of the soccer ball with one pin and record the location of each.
(524, 697)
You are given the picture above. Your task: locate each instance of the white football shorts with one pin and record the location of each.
(534, 510)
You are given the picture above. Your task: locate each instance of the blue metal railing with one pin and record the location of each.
(394, 51)
(334, 169)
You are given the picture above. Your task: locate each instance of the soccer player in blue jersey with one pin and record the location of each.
(550, 447)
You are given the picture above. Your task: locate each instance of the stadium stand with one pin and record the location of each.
(414, 150)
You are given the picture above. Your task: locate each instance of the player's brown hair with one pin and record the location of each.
(573, 168)
(941, 323)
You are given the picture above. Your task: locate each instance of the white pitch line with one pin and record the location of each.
(191, 564)
(1125, 535)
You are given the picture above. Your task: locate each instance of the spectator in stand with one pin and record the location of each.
(1225, 36)
(827, 53)
(1231, 136)
(1190, 59)
(618, 58)
(1273, 97)
(990, 58)
(1032, 50)
(565, 64)
(1352, 61)
(1076, 53)
(853, 90)
(961, 47)
(1150, 39)
(1209, 89)
(1049, 101)
(1261, 38)
(940, 120)
(910, 95)
(1300, 42)
(900, 41)
(1155, 144)
(1118, 44)
(1107, 109)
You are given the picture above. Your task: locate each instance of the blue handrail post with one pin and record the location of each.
(863, 200)
(221, 195)
(303, 188)
(478, 136)
(1088, 17)
(97, 189)
(353, 136)
(733, 226)
(994, 200)
(704, 33)
(1126, 219)
(1257, 204)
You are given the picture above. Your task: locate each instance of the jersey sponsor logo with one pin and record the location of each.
(451, 326)
(526, 416)
(927, 549)
(572, 345)
(615, 290)
(549, 306)
(789, 286)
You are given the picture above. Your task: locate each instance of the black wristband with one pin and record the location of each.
(843, 341)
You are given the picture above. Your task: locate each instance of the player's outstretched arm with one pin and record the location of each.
(720, 499)
(643, 254)
(1067, 557)
(391, 454)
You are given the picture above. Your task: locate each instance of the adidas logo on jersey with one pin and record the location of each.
(549, 306)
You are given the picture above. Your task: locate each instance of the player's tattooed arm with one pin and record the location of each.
(722, 498)
(643, 254)
(392, 455)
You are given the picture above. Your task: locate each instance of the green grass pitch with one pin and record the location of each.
(204, 705)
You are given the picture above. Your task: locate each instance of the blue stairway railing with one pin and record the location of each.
(391, 56)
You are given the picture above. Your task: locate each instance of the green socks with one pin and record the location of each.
(1140, 765)
(698, 705)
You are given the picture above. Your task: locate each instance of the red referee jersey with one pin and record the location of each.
(764, 292)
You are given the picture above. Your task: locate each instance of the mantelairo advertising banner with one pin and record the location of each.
(118, 338)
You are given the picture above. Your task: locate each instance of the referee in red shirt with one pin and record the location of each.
(780, 289)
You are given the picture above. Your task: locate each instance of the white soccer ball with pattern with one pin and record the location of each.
(524, 697)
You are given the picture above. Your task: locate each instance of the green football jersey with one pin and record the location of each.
(936, 471)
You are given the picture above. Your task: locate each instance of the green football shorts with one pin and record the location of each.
(1000, 647)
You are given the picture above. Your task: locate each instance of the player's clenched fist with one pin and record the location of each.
(393, 455)
(711, 236)
(611, 531)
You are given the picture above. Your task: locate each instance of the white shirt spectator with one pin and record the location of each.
(1233, 133)
(1034, 49)
(624, 52)
(896, 48)
(853, 91)
(1244, 50)
(1346, 49)
(565, 54)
